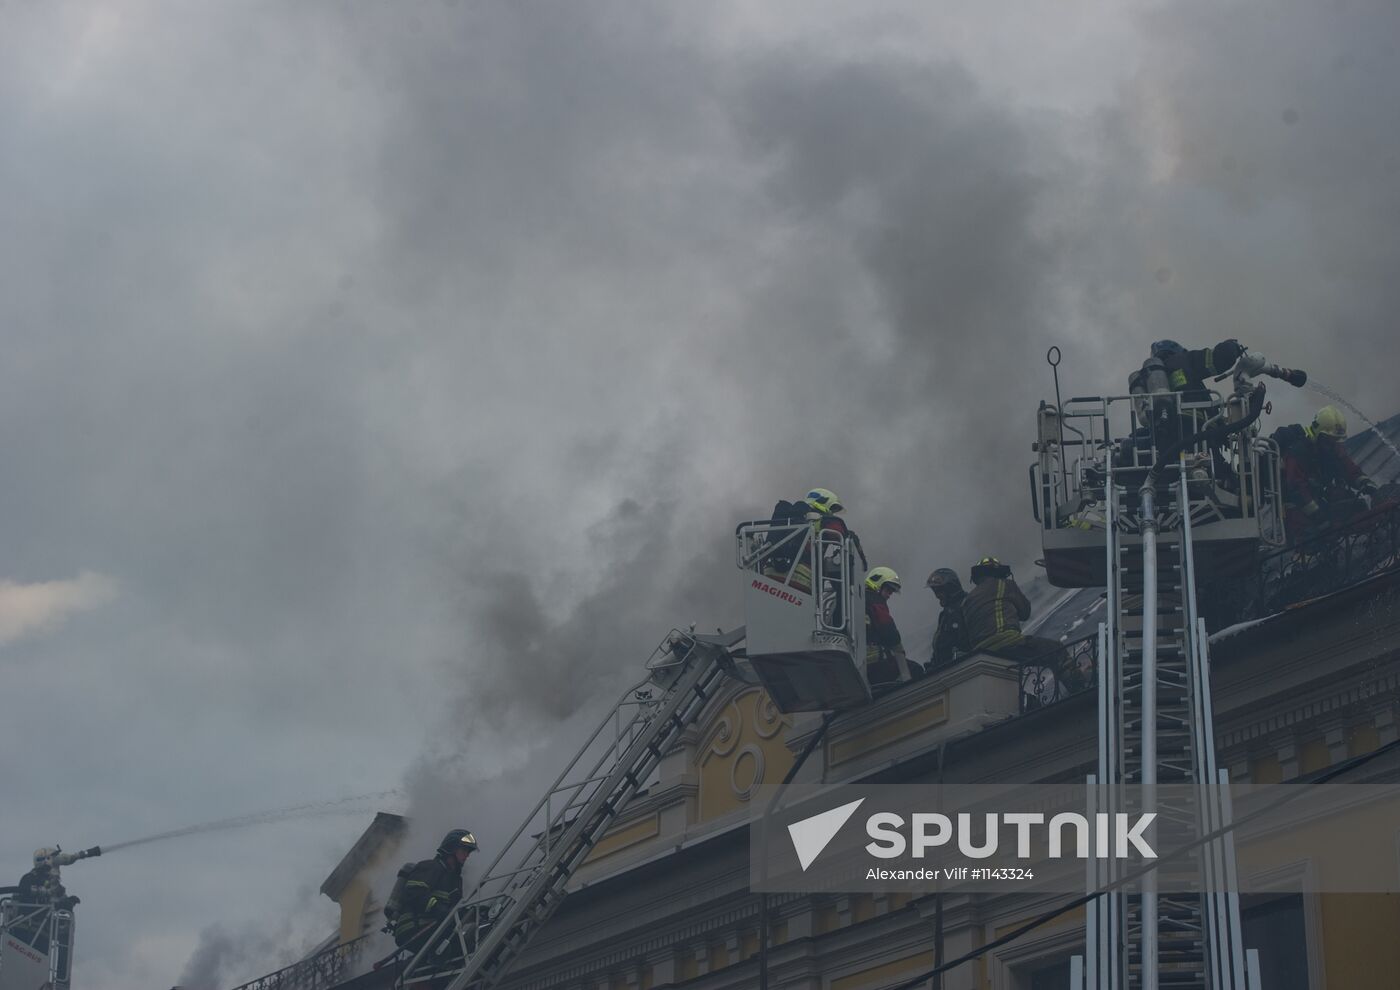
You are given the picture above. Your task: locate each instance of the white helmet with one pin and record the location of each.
(44, 856)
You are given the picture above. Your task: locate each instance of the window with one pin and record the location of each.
(1052, 977)
(1274, 925)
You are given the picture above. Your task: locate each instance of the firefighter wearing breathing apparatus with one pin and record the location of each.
(1319, 476)
(428, 891)
(1172, 368)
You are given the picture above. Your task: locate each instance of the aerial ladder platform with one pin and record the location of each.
(36, 924)
(1234, 472)
(804, 640)
(1188, 484)
(36, 944)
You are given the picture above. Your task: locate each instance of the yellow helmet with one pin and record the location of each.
(1330, 422)
(880, 578)
(824, 500)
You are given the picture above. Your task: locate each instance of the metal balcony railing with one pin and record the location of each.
(1059, 673)
(317, 972)
(1327, 562)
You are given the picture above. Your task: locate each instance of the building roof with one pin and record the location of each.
(385, 829)
(1375, 457)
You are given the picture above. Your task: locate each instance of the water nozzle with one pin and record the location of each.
(1254, 365)
(66, 859)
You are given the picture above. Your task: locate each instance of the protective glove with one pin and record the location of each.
(1226, 353)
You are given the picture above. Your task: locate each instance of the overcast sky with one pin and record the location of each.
(382, 381)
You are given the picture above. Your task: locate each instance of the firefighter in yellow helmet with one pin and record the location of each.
(1320, 479)
(828, 529)
(885, 659)
(820, 507)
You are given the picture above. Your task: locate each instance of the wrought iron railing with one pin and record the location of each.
(1319, 565)
(1058, 673)
(322, 970)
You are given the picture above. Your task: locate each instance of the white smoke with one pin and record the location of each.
(27, 609)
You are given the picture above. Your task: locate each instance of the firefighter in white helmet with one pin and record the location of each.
(427, 891)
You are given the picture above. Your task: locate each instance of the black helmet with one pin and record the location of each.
(458, 838)
(989, 567)
(944, 579)
(1166, 348)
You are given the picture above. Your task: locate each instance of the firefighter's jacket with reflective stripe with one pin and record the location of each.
(1187, 371)
(994, 611)
(431, 890)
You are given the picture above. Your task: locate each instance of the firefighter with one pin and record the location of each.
(1173, 368)
(950, 638)
(39, 891)
(1188, 371)
(994, 610)
(1319, 476)
(822, 508)
(885, 660)
(828, 532)
(431, 890)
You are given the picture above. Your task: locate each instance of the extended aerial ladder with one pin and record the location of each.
(1156, 732)
(485, 933)
(1150, 503)
(525, 883)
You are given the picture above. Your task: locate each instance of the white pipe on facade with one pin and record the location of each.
(1147, 515)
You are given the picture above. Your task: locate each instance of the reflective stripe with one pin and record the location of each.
(997, 640)
(1006, 634)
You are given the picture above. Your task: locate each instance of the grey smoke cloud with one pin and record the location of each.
(231, 955)
(409, 370)
(221, 952)
(936, 193)
(1249, 175)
